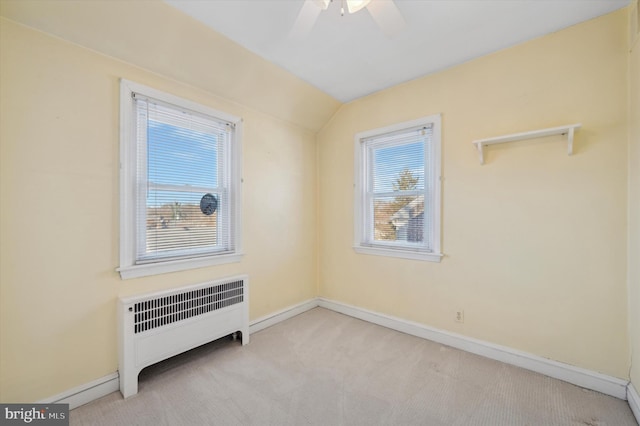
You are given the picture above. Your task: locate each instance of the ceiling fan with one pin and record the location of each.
(384, 12)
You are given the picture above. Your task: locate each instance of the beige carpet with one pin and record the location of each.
(324, 368)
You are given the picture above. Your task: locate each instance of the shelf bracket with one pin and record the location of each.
(570, 141)
(480, 149)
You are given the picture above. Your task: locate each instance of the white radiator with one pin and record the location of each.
(155, 326)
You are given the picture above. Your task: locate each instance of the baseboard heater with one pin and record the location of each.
(156, 326)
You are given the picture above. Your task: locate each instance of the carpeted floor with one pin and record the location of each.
(324, 368)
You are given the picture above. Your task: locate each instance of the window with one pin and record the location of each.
(180, 183)
(397, 190)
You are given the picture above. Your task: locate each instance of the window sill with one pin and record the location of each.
(136, 271)
(404, 254)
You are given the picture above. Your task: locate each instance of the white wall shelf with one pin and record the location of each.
(561, 130)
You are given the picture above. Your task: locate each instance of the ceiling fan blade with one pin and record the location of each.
(387, 16)
(305, 20)
(322, 4)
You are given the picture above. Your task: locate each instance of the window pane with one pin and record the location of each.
(398, 190)
(181, 156)
(399, 219)
(180, 181)
(398, 167)
(175, 221)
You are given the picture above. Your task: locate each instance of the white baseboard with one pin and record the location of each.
(634, 401)
(578, 376)
(279, 316)
(86, 393)
(584, 378)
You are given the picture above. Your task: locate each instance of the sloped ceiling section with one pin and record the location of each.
(157, 37)
(350, 56)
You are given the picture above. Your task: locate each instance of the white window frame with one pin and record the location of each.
(129, 204)
(363, 227)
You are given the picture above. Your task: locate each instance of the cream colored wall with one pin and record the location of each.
(535, 240)
(59, 212)
(634, 195)
(158, 37)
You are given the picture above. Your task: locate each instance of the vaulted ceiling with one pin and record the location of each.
(240, 50)
(350, 56)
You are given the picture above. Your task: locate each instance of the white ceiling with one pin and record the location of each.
(349, 56)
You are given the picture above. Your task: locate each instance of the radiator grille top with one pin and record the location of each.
(160, 311)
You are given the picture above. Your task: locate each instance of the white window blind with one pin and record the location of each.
(397, 199)
(183, 178)
(180, 192)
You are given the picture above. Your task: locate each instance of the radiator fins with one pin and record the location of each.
(161, 311)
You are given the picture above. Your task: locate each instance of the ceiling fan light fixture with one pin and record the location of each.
(355, 5)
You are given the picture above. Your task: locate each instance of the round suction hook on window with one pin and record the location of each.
(208, 204)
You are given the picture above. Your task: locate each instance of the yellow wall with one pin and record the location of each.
(535, 240)
(634, 194)
(153, 35)
(59, 212)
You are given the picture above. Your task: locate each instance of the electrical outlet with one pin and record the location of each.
(460, 316)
